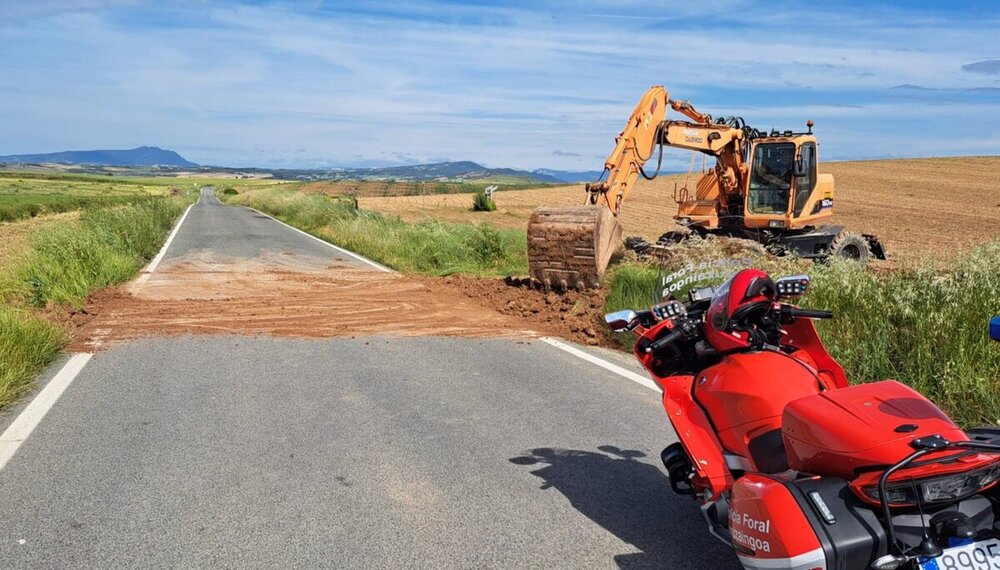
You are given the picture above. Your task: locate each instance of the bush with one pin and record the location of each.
(482, 203)
(229, 191)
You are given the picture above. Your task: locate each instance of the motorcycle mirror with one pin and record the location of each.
(621, 321)
(995, 328)
(792, 286)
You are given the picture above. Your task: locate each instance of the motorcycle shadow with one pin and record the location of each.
(632, 500)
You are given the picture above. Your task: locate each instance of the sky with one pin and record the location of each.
(506, 84)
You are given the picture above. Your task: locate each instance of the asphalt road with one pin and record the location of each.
(379, 452)
(233, 234)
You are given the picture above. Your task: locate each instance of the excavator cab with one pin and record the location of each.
(770, 189)
(784, 189)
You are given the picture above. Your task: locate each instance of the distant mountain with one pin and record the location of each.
(570, 177)
(142, 156)
(444, 171)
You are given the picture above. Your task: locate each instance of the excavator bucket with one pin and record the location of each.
(571, 247)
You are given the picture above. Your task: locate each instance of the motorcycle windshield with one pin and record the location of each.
(679, 279)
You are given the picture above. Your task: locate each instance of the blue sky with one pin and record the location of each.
(518, 84)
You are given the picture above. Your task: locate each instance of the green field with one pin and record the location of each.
(26, 195)
(31, 194)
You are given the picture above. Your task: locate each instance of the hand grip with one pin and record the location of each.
(811, 313)
(661, 342)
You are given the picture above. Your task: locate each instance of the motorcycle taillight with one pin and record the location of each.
(942, 489)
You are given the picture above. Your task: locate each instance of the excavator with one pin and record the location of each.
(764, 187)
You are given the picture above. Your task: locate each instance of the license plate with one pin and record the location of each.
(984, 555)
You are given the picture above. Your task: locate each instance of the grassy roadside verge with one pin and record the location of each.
(63, 262)
(924, 326)
(428, 248)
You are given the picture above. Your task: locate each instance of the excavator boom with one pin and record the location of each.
(633, 147)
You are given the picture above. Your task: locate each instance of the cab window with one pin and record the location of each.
(771, 178)
(805, 185)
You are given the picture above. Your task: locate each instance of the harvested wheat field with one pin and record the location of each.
(917, 206)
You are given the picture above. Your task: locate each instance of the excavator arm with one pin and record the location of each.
(646, 128)
(633, 147)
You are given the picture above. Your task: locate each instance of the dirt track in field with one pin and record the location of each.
(919, 207)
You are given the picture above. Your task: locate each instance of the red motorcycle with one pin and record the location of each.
(793, 467)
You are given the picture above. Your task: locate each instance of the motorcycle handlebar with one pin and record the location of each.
(660, 343)
(810, 313)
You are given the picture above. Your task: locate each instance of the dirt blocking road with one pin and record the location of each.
(216, 279)
(330, 415)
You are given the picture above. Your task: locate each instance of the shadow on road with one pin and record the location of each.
(632, 500)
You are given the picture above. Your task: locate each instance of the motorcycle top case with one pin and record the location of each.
(807, 524)
(841, 431)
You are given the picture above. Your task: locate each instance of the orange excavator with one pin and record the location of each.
(764, 187)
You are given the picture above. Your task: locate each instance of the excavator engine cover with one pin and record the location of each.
(571, 247)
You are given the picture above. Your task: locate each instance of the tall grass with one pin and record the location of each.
(924, 326)
(430, 247)
(65, 261)
(104, 247)
(27, 344)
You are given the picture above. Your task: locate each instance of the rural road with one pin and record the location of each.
(369, 452)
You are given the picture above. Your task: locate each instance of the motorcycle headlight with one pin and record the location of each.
(938, 489)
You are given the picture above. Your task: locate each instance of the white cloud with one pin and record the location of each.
(504, 86)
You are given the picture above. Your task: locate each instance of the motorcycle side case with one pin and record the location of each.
(778, 523)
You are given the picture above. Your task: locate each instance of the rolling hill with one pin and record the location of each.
(141, 156)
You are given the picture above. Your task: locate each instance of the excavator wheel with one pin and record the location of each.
(637, 244)
(852, 246)
(673, 237)
(571, 247)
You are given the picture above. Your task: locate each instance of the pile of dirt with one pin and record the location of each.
(577, 316)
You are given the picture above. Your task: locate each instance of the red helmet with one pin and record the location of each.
(735, 308)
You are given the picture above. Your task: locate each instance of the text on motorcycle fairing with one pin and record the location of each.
(738, 523)
(692, 272)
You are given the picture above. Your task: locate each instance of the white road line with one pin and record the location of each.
(25, 423)
(637, 378)
(362, 259)
(163, 250)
